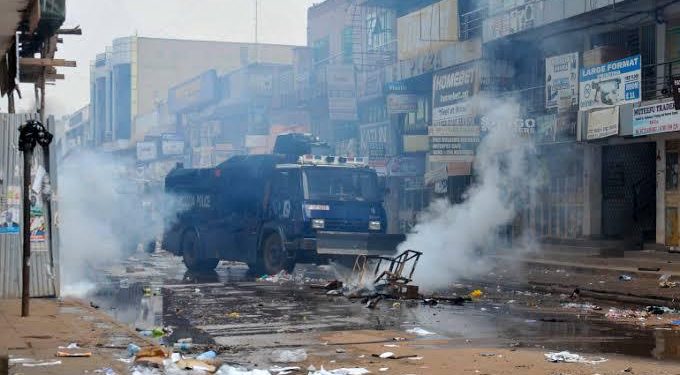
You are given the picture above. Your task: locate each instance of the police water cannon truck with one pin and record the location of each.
(271, 211)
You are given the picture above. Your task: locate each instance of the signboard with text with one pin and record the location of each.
(656, 118)
(561, 80)
(452, 90)
(603, 123)
(611, 84)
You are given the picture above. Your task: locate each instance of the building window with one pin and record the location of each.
(347, 45)
(379, 28)
(321, 50)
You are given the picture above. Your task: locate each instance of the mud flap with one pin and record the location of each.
(343, 243)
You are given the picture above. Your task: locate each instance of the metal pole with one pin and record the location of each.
(10, 101)
(26, 226)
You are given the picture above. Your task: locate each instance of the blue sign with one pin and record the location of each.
(611, 84)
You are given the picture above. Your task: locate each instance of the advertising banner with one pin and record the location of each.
(603, 123)
(172, 145)
(416, 143)
(147, 151)
(406, 167)
(427, 30)
(401, 103)
(512, 17)
(656, 118)
(561, 80)
(611, 84)
(676, 92)
(375, 140)
(341, 86)
(556, 128)
(452, 90)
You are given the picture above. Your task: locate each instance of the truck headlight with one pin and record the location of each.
(318, 223)
(374, 225)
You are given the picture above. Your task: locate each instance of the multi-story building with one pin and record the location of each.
(132, 77)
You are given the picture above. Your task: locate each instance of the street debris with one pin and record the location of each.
(229, 370)
(391, 275)
(420, 332)
(625, 278)
(289, 356)
(72, 345)
(581, 306)
(660, 310)
(568, 357)
(281, 277)
(341, 371)
(207, 356)
(616, 313)
(475, 294)
(284, 370)
(69, 354)
(41, 363)
(133, 349)
(385, 355)
(195, 364)
(665, 282)
(649, 269)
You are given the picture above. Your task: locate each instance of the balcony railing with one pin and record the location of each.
(657, 79)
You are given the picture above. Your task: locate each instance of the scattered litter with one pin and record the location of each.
(568, 357)
(420, 332)
(186, 339)
(391, 345)
(625, 278)
(195, 364)
(209, 355)
(284, 370)
(334, 292)
(288, 356)
(341, 371)
(68, 354)
(183, 346)
(615, 313)
(477, 293)
(430, 302)
(197, 290)
(396, 305)
(383, 369)
(105, 371)
(676, 322)
(133, 349)
(417, 358)
(41, 364)
(280, 277)
(340, 350)
(665, 282)
(581, 306)
(233, 315)
(398, 338)
(649, 269)
(125, 360)
(386, 355)
(373, 302)
(487, 354)
(229, 370)
(530, 320)
(660, 310)
(175, 357)
(72, 345)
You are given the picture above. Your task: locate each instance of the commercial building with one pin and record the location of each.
(132, 77)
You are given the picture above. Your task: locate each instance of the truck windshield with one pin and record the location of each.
(342, 184)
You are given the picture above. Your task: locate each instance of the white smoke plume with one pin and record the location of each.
(453, 238)
(103, 216)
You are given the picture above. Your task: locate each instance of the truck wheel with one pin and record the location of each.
(191, 246)
(273, 258)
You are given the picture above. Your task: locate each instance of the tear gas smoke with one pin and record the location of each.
(453, 237)
(104, 213)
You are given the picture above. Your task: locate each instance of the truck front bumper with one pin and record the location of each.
(346, 243)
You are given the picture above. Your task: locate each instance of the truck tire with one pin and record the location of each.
(272, 257)
(191, 246)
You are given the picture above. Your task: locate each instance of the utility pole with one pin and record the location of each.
(31, 133)
(10, 101)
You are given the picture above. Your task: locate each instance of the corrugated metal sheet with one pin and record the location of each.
(43, 272)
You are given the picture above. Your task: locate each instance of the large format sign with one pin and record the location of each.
(611, 84)
(452, 90)
(603, 123)
(656, 118)
(561, 80)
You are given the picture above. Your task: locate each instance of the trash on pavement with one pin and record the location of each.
(289, 356)
(68, 354)
(568, 357)
(284, 370)
(229, 370)
(233, 315)
(334, 292)
(615, 313)
(386, 355)
(186, 339)
(183, 346)
(341, 371)
(280, 277)
(195, 364)
(649, 269)
(209, 355)
(41, 364)
(420, 332)
(477, 293)
(156, 332)
(105, 371)
(383, 369)
(660, 310)
(581, 306)
(133, 349)
(72, 345)
(373, 302)
(665, 282)
(625, 278)
(152, 356)
(676, 322)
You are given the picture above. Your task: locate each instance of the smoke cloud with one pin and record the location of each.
(454, 238)
(104, 215)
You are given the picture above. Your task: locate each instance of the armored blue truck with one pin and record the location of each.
(272, 211)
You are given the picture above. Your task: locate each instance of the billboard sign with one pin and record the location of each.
(603, 123)
(375, 140)
(611, 84)
(561, 80)
(656, 118)
(452, 90)
(428, 30)
(147, 151)
(402, 103)
(676, 92)
(172, 145)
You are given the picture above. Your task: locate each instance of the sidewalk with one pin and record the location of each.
(36, 339)
(564, 269)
